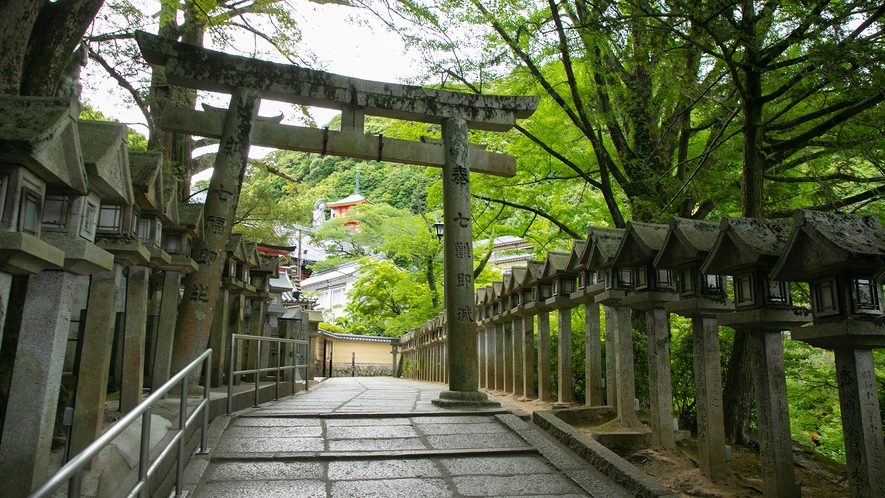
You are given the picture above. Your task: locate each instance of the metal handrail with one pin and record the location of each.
(73, 470)
(258, 370)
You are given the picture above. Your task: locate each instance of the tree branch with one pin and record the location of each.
(123, 82)
(571, 233)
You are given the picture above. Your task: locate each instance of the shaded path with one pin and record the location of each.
(380, 436)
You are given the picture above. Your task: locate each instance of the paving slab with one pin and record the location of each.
(381, 436)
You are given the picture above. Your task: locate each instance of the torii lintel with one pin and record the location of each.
(195, 67)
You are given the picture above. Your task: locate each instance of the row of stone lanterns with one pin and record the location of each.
(93, 246)
(680, 268)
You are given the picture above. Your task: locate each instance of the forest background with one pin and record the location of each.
(649, 110)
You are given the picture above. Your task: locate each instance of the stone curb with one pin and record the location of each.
(606, 461)
(289, 456)
(558, 458)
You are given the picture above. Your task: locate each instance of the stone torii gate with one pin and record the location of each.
(250, 80)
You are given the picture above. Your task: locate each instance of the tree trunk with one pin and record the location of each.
(57, 32)
(16, 25)
(37, 39)
(737, 397)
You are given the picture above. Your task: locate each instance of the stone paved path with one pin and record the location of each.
(368, 437)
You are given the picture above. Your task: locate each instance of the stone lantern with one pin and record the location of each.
(39, 150)
(502, 331)
(563, 285)
(840, 256)
(586, 294)
(652, 288)
(701, 298)
(147, 185)
(531, 287)
(482, 354)
(512, 319)
(178, 239)
(613, 283)
(747, 249)
(525, 324)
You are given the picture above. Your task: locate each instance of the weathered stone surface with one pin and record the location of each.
(93, 374)
(708, 386)
(459, 296)
(36, 378)
(106, 160)
(545, 392)
(133, 344)
(201, 287)
(81, 256)
(772, 412)
(822, 242)
(340, 143)
(41, 134)
(22, 254)
(603, 459)
(746, 243)
(861, 421)
(195, 67)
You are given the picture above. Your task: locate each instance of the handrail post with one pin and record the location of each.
(144, 452)
(257, 372)
(75, 484)
(207, 395)
(182, 440)
(276, 393)
(230, 374)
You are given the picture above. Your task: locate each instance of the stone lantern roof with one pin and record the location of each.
(574, 264)
(823, 242)
(640, 244)
(688, 241)
(105, 156)
(146, 169)
(746, 243)
(41, 135)
(170, 202)
(605, 243)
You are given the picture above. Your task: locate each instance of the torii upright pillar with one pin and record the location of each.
(458, 253)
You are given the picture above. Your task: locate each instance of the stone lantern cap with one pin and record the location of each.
(822, 243)
(556, 270)
(497, 301)
(604, 245)
(533, 276)
(556, 264)
(640, 244)
(170, 201)
(574, 264)
(746, 243)
(105, 155)
(687, 242)
(147, 182)
(41, 134)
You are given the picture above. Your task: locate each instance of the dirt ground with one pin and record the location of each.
(678, 470)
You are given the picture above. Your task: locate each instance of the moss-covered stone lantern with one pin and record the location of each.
(652, 289)
(563, 285)
(747, 249)
(839, 256)
(701, 298)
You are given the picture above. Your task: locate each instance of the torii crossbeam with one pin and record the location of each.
(249, 80)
